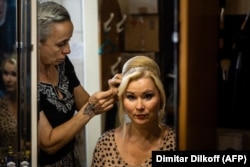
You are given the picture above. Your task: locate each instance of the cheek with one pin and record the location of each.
(154, 105)
(4, 78)
(129, 106)
(48, 48)
(15, 80)
(48, 54)
(43, 51)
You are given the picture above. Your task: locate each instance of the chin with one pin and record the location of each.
(10, 90)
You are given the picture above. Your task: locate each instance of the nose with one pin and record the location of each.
(7, 78)
(66, 49)
(139, 105)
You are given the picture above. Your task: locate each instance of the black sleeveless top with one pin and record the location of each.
(58, 110)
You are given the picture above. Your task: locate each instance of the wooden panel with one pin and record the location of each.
(237, 7)
(111, 40)
(198, 74)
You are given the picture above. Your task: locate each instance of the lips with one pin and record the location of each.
(141, 116)
(8, 86)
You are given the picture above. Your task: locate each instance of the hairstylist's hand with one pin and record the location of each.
(102, 101)
(115, 81)
(114, 84)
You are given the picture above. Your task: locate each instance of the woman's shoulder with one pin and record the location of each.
(169, 139)
(108, 135)
(106, 140)
(3, 104)
(170, 131)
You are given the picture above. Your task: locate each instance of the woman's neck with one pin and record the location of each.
(48, 74)
(11, 96)
(11, 101)
(135, 132)
(46, 69)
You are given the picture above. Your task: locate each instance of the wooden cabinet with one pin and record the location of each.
(200, 113)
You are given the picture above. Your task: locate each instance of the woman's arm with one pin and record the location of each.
(81, 97)
(52, 139)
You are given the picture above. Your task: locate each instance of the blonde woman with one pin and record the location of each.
(142, 98)
(8, 104)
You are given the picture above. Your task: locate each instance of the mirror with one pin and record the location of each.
(9, 113)
(15, 57)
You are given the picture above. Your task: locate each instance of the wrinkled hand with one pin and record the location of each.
(102, 101)
(115, 82)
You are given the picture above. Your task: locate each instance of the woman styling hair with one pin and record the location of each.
(60, 92)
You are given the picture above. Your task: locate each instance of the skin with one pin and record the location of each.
(142, 103)
(53, 52)
(10, 77)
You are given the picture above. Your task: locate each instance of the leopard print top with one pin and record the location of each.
(8, 126)
(106, 152)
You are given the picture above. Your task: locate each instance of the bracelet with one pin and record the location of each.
(89, 110)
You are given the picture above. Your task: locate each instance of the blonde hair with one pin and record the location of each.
(135, 68)
(11, 59)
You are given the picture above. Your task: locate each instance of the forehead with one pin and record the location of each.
(8, 65)
(61, 30)
(144, 83)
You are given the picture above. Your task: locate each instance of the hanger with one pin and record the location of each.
(114, 67)
(107, 42)
(106, 26)
(119, 29)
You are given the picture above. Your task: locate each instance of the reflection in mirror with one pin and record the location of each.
(7, 31)
(15, 83)
(8, 82)
(8, 108)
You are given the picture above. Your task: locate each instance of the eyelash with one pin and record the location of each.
(146, 96)
(149, 96)
(61, 44)
(14, 74)
(130, 97)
